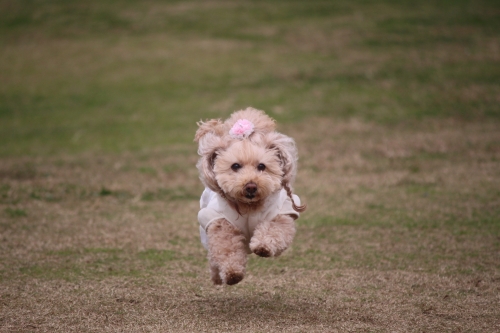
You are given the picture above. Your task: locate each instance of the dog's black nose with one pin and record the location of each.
(251, 188)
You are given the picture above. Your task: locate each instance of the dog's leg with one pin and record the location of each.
(214, 272)
(227, 253)
(271, 238)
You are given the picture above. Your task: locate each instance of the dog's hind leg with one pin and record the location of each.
(215, 273)
(271, 238)
(227, 252)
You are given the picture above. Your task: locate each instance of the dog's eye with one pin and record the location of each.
(261, 167)
(235, 166)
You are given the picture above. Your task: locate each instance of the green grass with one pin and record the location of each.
(97, 263)
(15, 212)
(170, 194)
(115, 76)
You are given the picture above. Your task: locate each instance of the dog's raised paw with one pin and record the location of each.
(262, 251)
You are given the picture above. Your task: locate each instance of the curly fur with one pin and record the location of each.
(227, 253)
(218, 153)
(271, 238)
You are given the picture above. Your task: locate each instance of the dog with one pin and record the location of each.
(248, 206)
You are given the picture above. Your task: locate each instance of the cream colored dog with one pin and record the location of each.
(248, 170)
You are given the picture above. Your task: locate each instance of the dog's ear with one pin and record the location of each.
(286, 152)
(210, 142)
(214, 126)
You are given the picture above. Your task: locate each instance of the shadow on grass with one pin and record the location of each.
(275, 310)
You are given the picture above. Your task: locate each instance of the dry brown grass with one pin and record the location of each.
(402, 234)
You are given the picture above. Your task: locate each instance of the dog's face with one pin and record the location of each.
(248, 172)
(245, 169)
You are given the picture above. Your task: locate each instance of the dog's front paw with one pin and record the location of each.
(261, 249)
(234, 277)
(262, 252)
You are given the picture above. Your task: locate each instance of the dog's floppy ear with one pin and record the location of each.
(210, 142)
(285, 150)
(284, 147)
(214, 126)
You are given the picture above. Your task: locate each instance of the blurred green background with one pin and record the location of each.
(113, 76)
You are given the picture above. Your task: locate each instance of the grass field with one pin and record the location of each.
(395, 108)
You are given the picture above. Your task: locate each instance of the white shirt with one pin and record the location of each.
(214, 207)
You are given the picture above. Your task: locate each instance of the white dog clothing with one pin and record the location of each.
(214, 207)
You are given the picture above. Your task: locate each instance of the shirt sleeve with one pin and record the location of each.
(208, 215)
